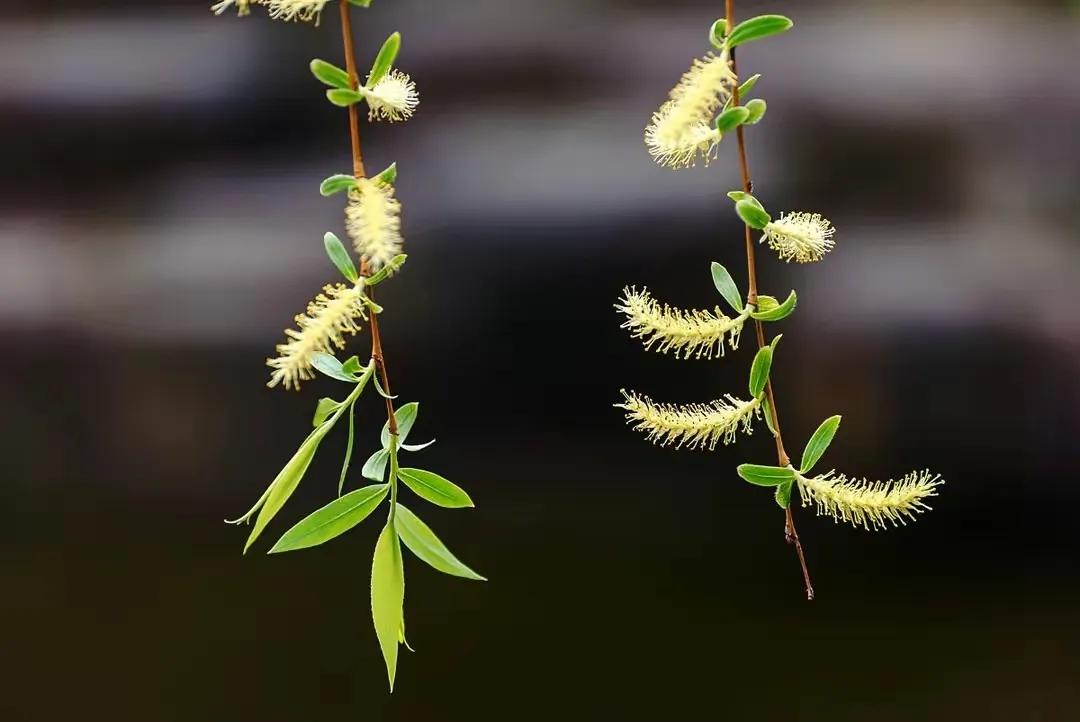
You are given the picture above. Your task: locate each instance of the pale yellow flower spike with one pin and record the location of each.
(682, 127)
(800, 237)
(373, 222)
(393, 98)
(693, 425)
(688, 333)
(869, 504)
(334, 313)
(287, 10)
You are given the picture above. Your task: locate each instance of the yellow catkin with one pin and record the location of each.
(689, 333)
(869, 504)
(373, 222)
(393, 98)
(682, 127)
(332, 314)
(695, 426)
(800, 237)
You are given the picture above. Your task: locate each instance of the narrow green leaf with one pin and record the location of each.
(731, 118)
(776, 340)
(388, 270)
(765, 475)
(375, 466)
(752, 214)
(818, 443)
(343, 97)
(330, 74)
(333, 520)
(756, 28)
(285, 482)
(744, 196)
(725, 284)
(325, 407)
(388, 175)
(336, 184)
(422, 542)
(382, 391)
(330, 366)
(434, 488)
(783, 494)
(352, 365)
(348, 448)
(717, 33)
(770, 310)
(748, 85)
(417, 447)
(768, 411)
(340, 257)
(756, 111)
(387, 54)
(759, 371)
(388, 597)
(406, 417)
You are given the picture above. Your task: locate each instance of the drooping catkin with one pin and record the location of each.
(800, 237)
(869, 504)
(696, 426)
(682, 127)
(373, 222)
(688, 333)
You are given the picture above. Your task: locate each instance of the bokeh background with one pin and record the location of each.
(160, 224)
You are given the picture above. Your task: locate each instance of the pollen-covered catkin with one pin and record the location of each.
(692, 425)
(688, 333)
(394, 98)
(682, 127)
(869, 504)
(800, 237)
(373, 222)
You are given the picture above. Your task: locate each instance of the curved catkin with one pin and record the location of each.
(288, 10)
(682, 127)
(800, 237)
(393, 98)
(695, 426)
(688, 333)
(869, 504)
(332, 314)
(373, 222)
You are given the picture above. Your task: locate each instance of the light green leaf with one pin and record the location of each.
(348, 448)
(388, 597)
(330, 74)
(388, 270)
(717, 33)
(752, 214)
(387, 54)
(759, 371)
(744, 90)
(352, 365)
(783, 494)
(406, 417)
(725, 284)
(332, 520)
(286, 481)
(340, 257)
(770, 310)
(744, 196)
(417, 447)
(388, 175)
(434, 488)
(325, 407)
(756, 28)
(360, 3)
(768, 411)
(765, 475)
(375, 466)
(343, 97)
(382, 391)
(336, 184)
(756, 109)
(330, 366)
(818, 443)
(731, 118)
(419, 538)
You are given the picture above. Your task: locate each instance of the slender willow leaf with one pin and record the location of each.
(759, 372)
(744, 90)
(325, 407)
(332, 520)
(765, 475)
(340, 257)
(375, 466)
(336, 184)
(770, 310)
(434, 488)
(752, 214)
(330, 366)
(725, 284)
(388, 270)
(388, 175)
(388, 597)
(756, 28)
(286, 481)
(330, 74)
(783, 494)
(818, 443)
(387, 54)
(406, 417)
(423, 543)
(348, 448)
(768, 411)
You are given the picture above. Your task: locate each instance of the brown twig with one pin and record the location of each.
(791, 535)
(358, 171)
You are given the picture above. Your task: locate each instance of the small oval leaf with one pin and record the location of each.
(752, 214)
(731, 118)
(434, 488)
(336, 184)
(773, 311)
(332, 520)
(344, 97)
(756, 111)
(422, 542)
(818, 443)
(330, 74)
(329, 365)
(340, 257)
(783, 494)
(765, 475)
(759, 372)
(725, 284)
(388, 597)
(757, 28)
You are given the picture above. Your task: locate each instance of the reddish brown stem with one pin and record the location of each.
(358, 171)
(791, 535)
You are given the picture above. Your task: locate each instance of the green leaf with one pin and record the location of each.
(757, 28)
(818, 443)
(770, 310)
(717, 33)
(743, 196)
(330, 74)
(756, 111)
(765, 475)
(731, 118)
(352, 365)
(330, 366)
(340, 257)
(336, 184)
(333, 520)
(285, 483)
(382, 391)
(388, 270)
(348, 448)
(360, 3)
(388, 175)
(768, 411)
(776, 340)
(388, 597)
(406, 417)
(725, 284)
(759, 371)
(422, 542)
(752, 214)
(375, 466)
(434, 488)
(417, 447)
(748, 85)
(783, 494)
(325, 407)
(387, 54)
(343, 97)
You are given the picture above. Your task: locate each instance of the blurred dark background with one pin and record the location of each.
(160, 224)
